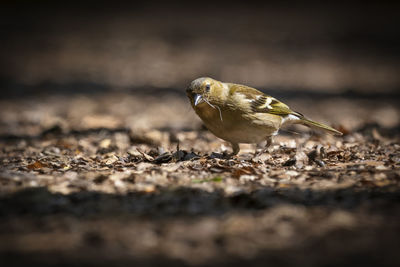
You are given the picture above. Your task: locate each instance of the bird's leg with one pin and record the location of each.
(235, 150)
(269, 142)
(265, 149)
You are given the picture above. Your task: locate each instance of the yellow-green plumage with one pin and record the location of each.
(241, 114)
(320, 126)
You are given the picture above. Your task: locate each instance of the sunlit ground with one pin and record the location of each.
(99, 179)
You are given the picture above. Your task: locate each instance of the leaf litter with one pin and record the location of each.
(303, 190)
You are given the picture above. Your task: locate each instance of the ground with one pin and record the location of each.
(118, 178)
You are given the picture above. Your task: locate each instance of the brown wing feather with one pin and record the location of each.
(259, 100)
(249, 92)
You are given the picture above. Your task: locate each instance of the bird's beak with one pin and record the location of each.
(197, 99)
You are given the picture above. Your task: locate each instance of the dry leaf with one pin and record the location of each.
(36, 165)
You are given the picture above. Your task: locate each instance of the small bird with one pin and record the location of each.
(240, 114)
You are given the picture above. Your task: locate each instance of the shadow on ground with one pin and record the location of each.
(346, 227)
(190, 202)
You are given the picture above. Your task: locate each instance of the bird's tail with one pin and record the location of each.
(320, 126)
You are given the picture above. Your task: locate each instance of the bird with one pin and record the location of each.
(239, 114)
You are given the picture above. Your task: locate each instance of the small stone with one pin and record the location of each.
(111, 160)
(105, 143)
(246, 178)
(292, 173)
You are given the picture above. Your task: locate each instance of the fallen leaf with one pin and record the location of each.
(146, 156)
(243, 171)
(36, 165)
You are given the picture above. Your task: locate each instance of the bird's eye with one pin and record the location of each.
(208, 87)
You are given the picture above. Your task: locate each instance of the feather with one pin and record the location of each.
(320, 126)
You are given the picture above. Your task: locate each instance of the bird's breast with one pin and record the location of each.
(233, 125)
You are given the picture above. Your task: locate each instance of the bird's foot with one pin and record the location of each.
(265, 149)
(259, 152)
(229, 155)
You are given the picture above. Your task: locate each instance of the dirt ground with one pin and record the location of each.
(104, 163)
(133, 178)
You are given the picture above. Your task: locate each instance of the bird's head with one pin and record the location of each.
(201, 89)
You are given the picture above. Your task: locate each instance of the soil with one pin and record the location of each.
(118, 178)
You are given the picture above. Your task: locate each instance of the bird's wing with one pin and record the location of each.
(260, 102)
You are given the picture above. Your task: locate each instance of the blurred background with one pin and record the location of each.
(119, 45)
(330, 60)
